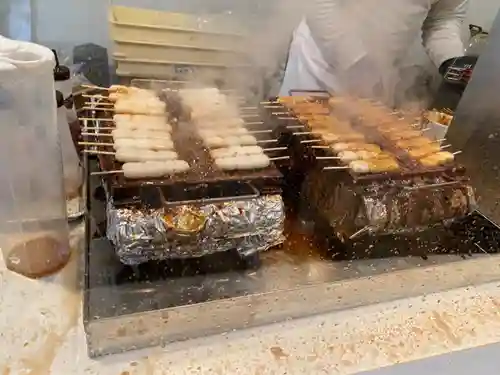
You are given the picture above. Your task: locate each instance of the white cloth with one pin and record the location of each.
(336, 34)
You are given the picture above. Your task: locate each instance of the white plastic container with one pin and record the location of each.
(33, 224)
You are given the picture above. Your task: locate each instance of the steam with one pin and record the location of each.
(268, 25)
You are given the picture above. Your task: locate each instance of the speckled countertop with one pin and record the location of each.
(41, 333)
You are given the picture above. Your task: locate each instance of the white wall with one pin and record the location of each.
(80, 21)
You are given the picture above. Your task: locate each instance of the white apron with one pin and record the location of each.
(387, 29)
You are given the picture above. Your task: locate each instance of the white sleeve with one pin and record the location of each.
(332, 32)
(442, 30)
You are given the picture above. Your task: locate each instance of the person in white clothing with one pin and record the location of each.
(356, 46)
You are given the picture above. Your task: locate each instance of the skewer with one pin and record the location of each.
(361, 231)
(254, 123)
(275, 102)
(287, 118)
(248, 108)
(272, 106)
(327, 158)
(295, 127)
(95, 119)
(336, 168)
(321, 147)
(260, 131)
(280, 158)
(99, 109)
(310, 141)
(275, 149)
(96, 134)
(456, 153)
(249, 115)
(98, 128)
(95, 144)
(96, 96)
(98, 103)
(279, 113)
(445, 147)
(103, 173)
(96, 87)
(97, 152)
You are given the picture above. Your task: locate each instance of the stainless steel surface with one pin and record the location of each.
(292, 282)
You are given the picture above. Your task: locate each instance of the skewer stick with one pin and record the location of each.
(280, 158)
(336, 168)
(96, 152)
(249, 115)
(359, 232)
(327, 158)
(103, 173)
(96, 87)
(94, 128)
(456, 153)
(260, 131)
(95, 119)
(99, 109)
(287, 118)
(99, 103)
(272, 106)
(254, 123)
(279, 113)
(302, 133)
(95, 144)
(310, 141)
(269, 102)
(96, 135)
(321, 147)
(96, 96)
(275, 149)
(268, 141)
(248, 108)
(291, 127)
(445, 147)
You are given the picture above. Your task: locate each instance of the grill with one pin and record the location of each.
(408, 201)
(202, 183)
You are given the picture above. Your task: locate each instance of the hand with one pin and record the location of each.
(458, 70)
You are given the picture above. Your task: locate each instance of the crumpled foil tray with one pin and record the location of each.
(142, 235)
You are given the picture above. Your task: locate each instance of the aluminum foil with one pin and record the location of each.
(386, 208)
(249, 226)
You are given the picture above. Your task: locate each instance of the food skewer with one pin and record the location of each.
(254, 123)
(96, 87)
(96, 144)
(98, 152)
(95, 119)
(96, 96)
(149, 169)
(98, 103)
